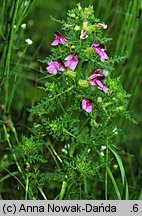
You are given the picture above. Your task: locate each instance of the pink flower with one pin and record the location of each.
(100, 50)
(102, 25)
(59, 39)
(87, 104)
(55, 66)
(96, 79)
(71, 61)
(83, 34)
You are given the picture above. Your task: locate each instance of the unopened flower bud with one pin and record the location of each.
(88, 50)
(88, 11)
(70, 73)
(85, 24)
(79, 7)
(90, 28)
(106, 73)
(72, 15)
(67, 26)
(94, 123)
(77, 28)
(83, 83)
(120, 108)
(99, 100)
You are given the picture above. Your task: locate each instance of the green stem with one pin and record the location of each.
(8, 176)
(84, 123)
(15, 79)
(9, 51)
(61, 106)
(67, 90)
(27, 187)
(69, 133)
(85, 185)
(53, 156)
(42, 193)
(63, 190)
(14, 132)
(14, 176)
(114, 183)
(11, 148)
(15, 158)
(54, 152)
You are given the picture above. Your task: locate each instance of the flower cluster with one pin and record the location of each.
(71, 61)
(58, 65)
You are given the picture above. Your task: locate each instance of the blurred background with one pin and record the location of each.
(124, 20)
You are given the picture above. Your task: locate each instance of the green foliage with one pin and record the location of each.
(30, 151)
(54, 149)
(75, 137)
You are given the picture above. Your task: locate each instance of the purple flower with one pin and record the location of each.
(87, 104)
(96, 79)
(102, 25)
(83, 34)
(71, 61)
(100, 50)
(59, 39)
(55, 66)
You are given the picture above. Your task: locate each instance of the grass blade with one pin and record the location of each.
(125, 192)
(114, 183)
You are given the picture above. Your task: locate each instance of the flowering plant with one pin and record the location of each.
(77, 119)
